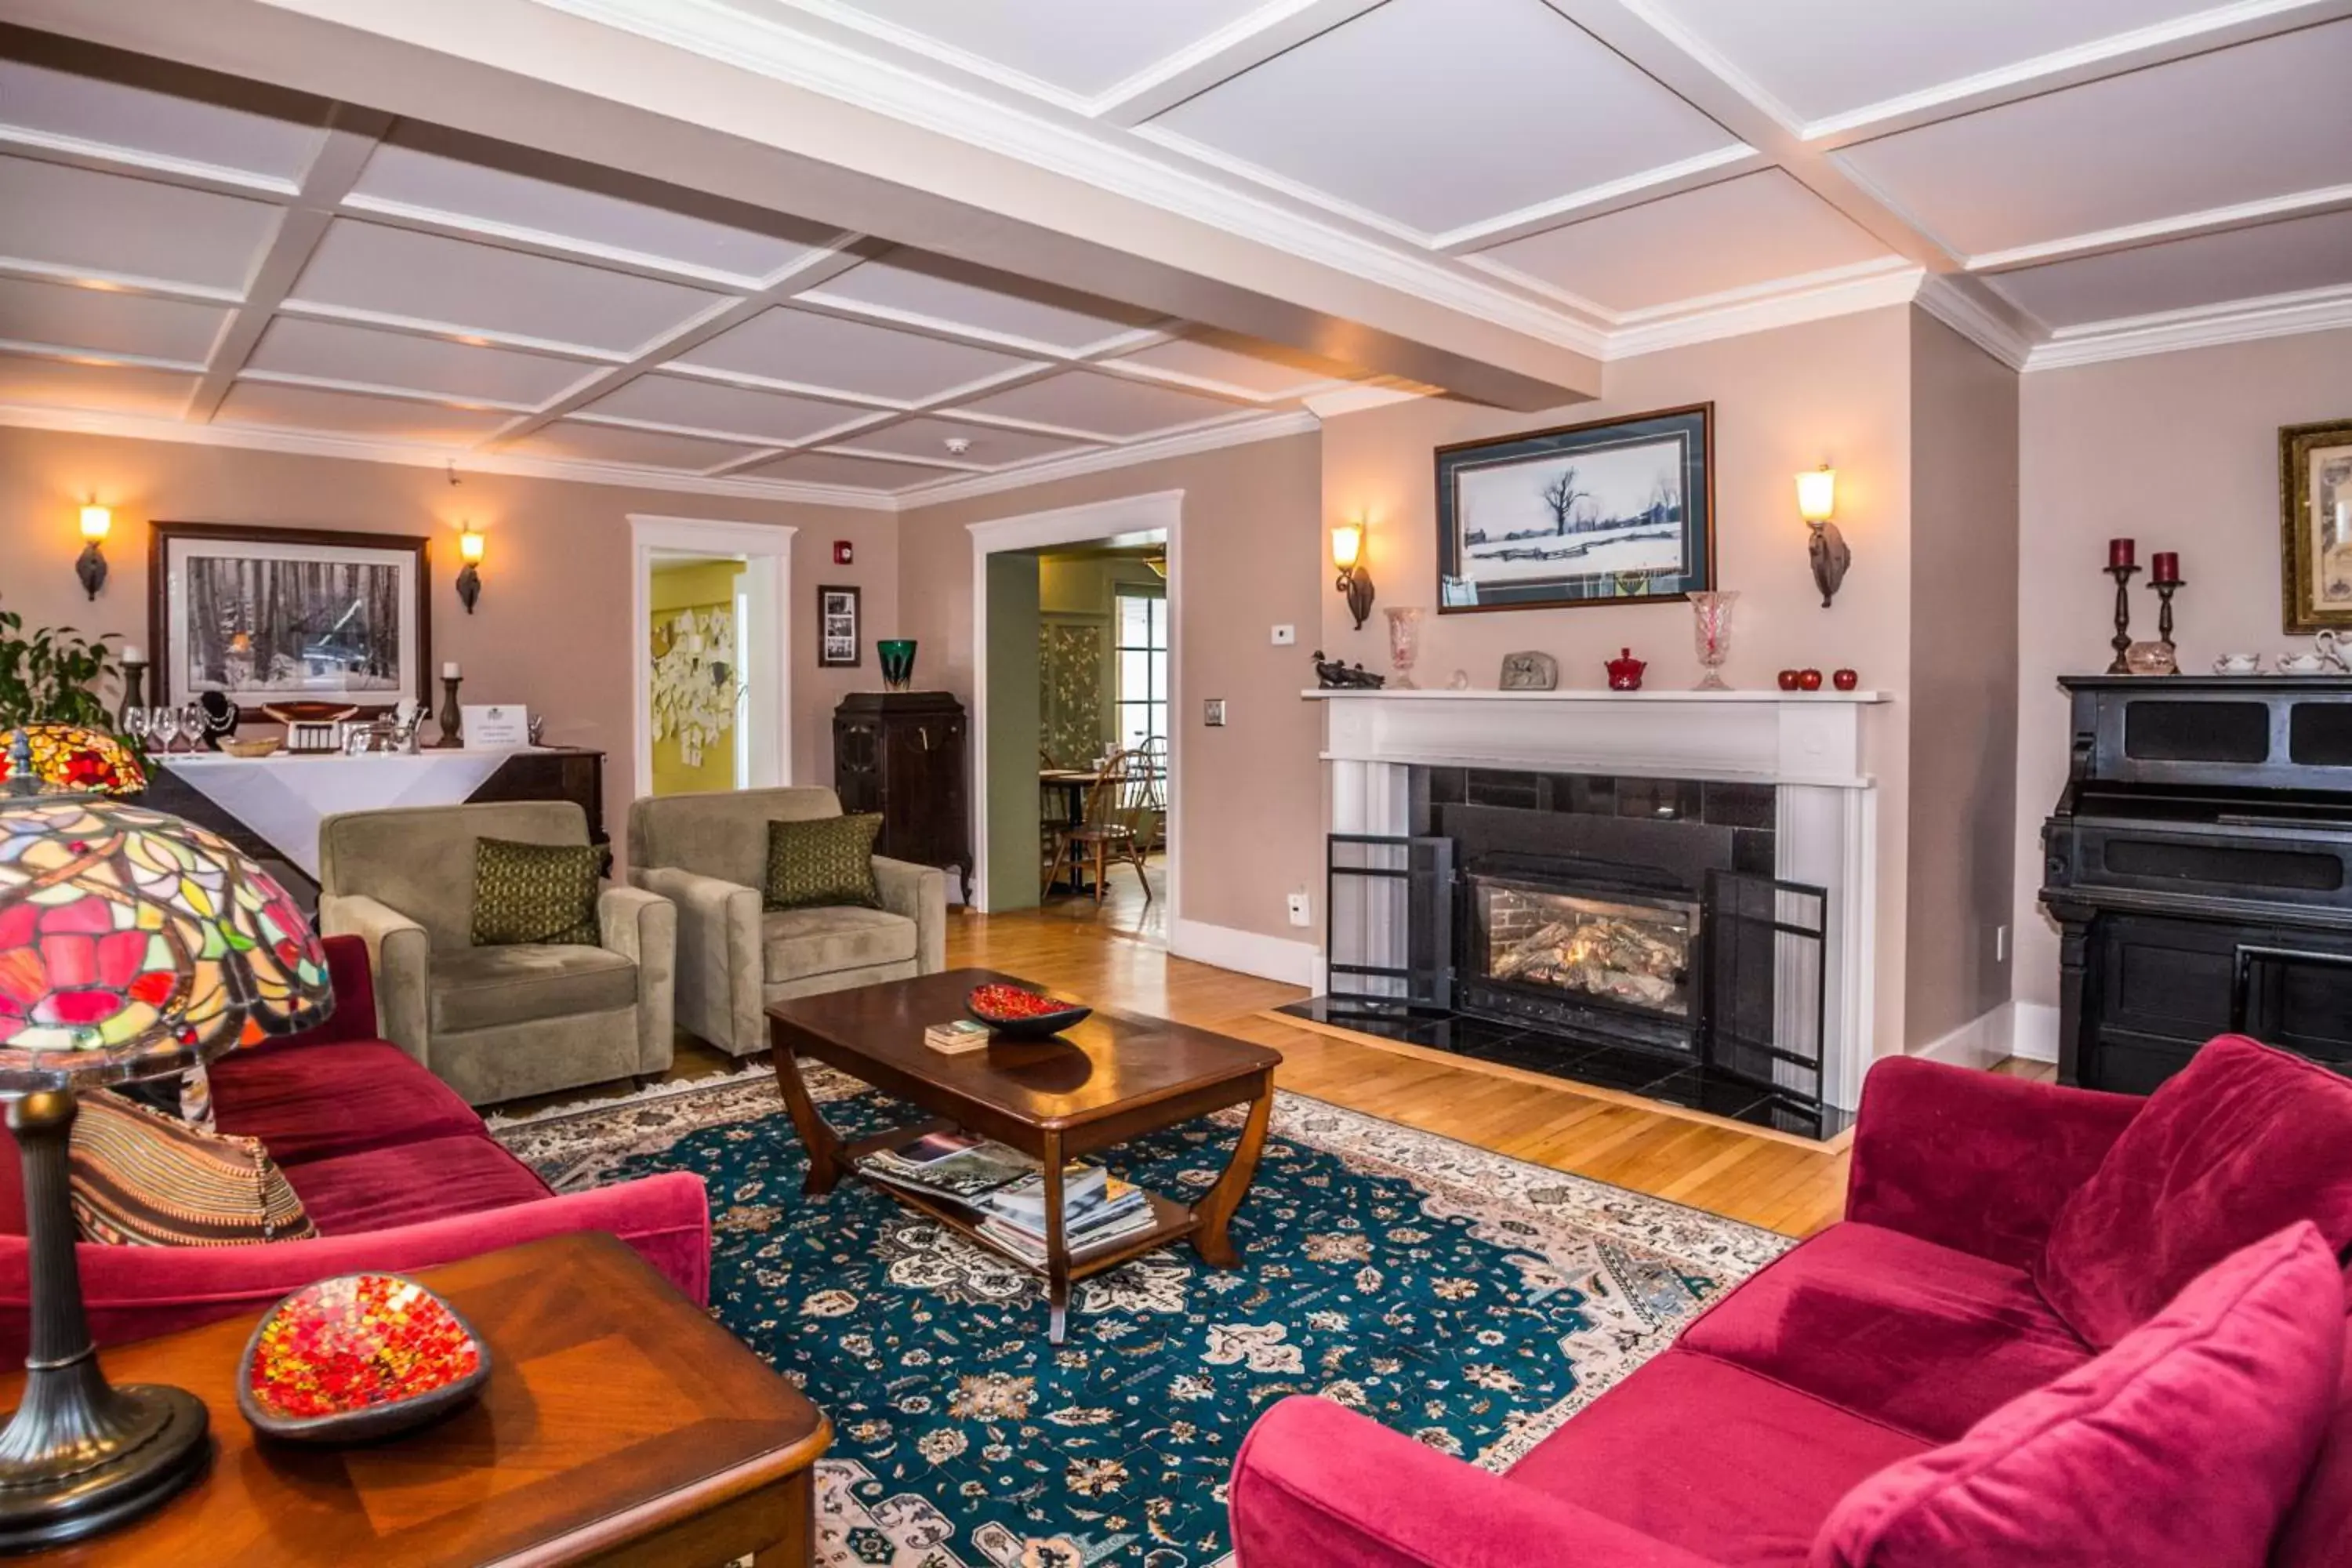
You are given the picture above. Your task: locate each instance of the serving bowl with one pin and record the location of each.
(1018, 1013)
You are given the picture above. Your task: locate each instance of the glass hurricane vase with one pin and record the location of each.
(1711, 634)
(1405, 645)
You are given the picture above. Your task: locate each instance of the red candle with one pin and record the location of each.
(2121, 552)
(2166, 568)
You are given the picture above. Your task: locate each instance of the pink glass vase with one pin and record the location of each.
(1711, 634)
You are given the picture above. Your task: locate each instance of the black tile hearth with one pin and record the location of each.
(1667, 1079)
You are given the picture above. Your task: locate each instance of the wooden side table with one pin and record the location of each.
(619, 1425)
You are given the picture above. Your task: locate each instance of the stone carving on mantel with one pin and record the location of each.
(1339, 675)
(1530, 671)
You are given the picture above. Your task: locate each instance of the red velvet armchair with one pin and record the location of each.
(397, 1172)
(1878, 1340)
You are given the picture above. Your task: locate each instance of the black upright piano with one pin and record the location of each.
(2199, 868)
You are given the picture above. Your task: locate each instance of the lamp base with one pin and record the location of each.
(79, 1483)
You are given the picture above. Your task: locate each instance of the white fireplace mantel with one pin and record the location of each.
(1766, 736)
(1810, 746)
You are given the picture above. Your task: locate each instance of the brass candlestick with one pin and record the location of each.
(450, 722)
(2164, 590)
(2122, 640)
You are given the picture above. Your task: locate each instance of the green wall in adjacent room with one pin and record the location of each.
(693, 585)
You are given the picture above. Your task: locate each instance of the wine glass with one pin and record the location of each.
(135, 724)
(164, 724)
(191, 723)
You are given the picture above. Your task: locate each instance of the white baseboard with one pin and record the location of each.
(1269, 957)
(1979, 1043)
(2036, 1036)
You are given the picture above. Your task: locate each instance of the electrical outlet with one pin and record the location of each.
(2000, 944)
(1213, 712)
(1284, 636)
(1299, 913)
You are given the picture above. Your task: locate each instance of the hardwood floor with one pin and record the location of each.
(1782, 1185)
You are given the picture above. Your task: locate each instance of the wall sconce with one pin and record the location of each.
(469, 576)
(97, 523)
(1817, 503)
(1355, 583)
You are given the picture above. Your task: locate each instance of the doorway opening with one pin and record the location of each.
(711, 622)
(1076, 760)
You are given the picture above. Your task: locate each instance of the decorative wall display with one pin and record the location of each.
(839, 644)
(1529, 671)
(2315, 526)
(695, 694)
(265, 614)
(1620, 512)
(1072, 723)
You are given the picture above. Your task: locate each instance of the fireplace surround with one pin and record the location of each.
(1752, 809)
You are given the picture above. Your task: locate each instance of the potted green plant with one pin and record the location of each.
(52, 675)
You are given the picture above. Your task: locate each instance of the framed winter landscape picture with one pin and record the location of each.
(1617, 512)
(275, 615)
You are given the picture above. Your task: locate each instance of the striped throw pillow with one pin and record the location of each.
(143, 1179)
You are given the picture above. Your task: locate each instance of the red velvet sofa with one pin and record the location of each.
(395, 1169)
(1877, 1340)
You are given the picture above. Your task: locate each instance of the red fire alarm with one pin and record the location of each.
(842, 553)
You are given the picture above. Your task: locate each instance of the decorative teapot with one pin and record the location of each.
(1626, 671)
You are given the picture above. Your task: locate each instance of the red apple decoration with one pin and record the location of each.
(1808, 680)
(1846, 680)
(1788, 680)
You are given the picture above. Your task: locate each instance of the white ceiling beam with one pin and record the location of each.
(351, 137)
(1249, 42)
(2186, 226)
(116, 282)
(842, 252)
(105, 158)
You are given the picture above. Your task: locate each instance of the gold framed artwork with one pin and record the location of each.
(2315, 526)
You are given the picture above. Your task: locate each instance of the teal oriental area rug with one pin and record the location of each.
(1471, 1301)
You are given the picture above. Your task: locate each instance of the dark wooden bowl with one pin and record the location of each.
(1034, 1027)
(364, 1422)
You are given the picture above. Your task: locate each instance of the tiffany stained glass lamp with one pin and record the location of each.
(37, 759)
(133, 944)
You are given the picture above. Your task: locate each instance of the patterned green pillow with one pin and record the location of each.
(535, 893)
(823, 860)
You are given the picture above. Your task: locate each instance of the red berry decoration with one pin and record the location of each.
(1013, 1002)
(1809, 680)
(1788, 680)
(356, 1342)
(1846, 680)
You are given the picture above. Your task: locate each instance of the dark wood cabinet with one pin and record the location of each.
(905, 755)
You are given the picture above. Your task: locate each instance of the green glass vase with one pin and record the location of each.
(897, 655)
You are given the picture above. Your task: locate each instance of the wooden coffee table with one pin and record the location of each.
(1111, 1080)
(619, 1425)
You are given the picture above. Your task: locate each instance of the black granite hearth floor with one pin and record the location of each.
(1653, 1076)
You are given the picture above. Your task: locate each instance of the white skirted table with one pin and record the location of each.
(282, 799)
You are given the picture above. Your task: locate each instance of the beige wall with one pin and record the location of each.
(2180, 452)
(1251, 792)
(552, 628)
(1964, 551)
(1835, 390)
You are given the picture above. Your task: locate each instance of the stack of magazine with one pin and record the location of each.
(957, 1165)
(1097, 1207)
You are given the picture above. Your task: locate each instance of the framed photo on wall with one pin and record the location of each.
(272, 615)
(1621, 512)
(2315, 526)
(838, 633)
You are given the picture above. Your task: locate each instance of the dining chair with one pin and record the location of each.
(1108, 834)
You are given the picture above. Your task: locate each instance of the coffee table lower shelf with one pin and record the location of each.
(1173, 1223)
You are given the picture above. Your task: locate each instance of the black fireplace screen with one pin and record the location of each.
(1390, 907)
(1766, 959)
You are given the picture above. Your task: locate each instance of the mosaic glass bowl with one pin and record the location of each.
(357, 1357)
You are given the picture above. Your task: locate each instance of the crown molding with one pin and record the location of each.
(305, 444)
(2182, 226)
(1357, 399)
(1957, 309)
(1843, 297)
(1273, 426)
(2206, 326)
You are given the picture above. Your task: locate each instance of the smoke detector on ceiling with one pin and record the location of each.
(958, 445)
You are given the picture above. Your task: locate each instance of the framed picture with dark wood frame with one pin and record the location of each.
(2315, 526)
(840, 635)
(1618, 511)
(275, 616)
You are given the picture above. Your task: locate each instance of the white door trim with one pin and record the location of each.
(767, 553)
(1161, 511)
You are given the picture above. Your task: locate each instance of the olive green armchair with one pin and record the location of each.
(496, 1023)
(708, 854)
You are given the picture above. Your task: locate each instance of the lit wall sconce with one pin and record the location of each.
(97, 523)
(1354, 584)
(469, 576)
(1817, 503)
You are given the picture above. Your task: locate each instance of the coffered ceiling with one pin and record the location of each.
(2061, 181)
